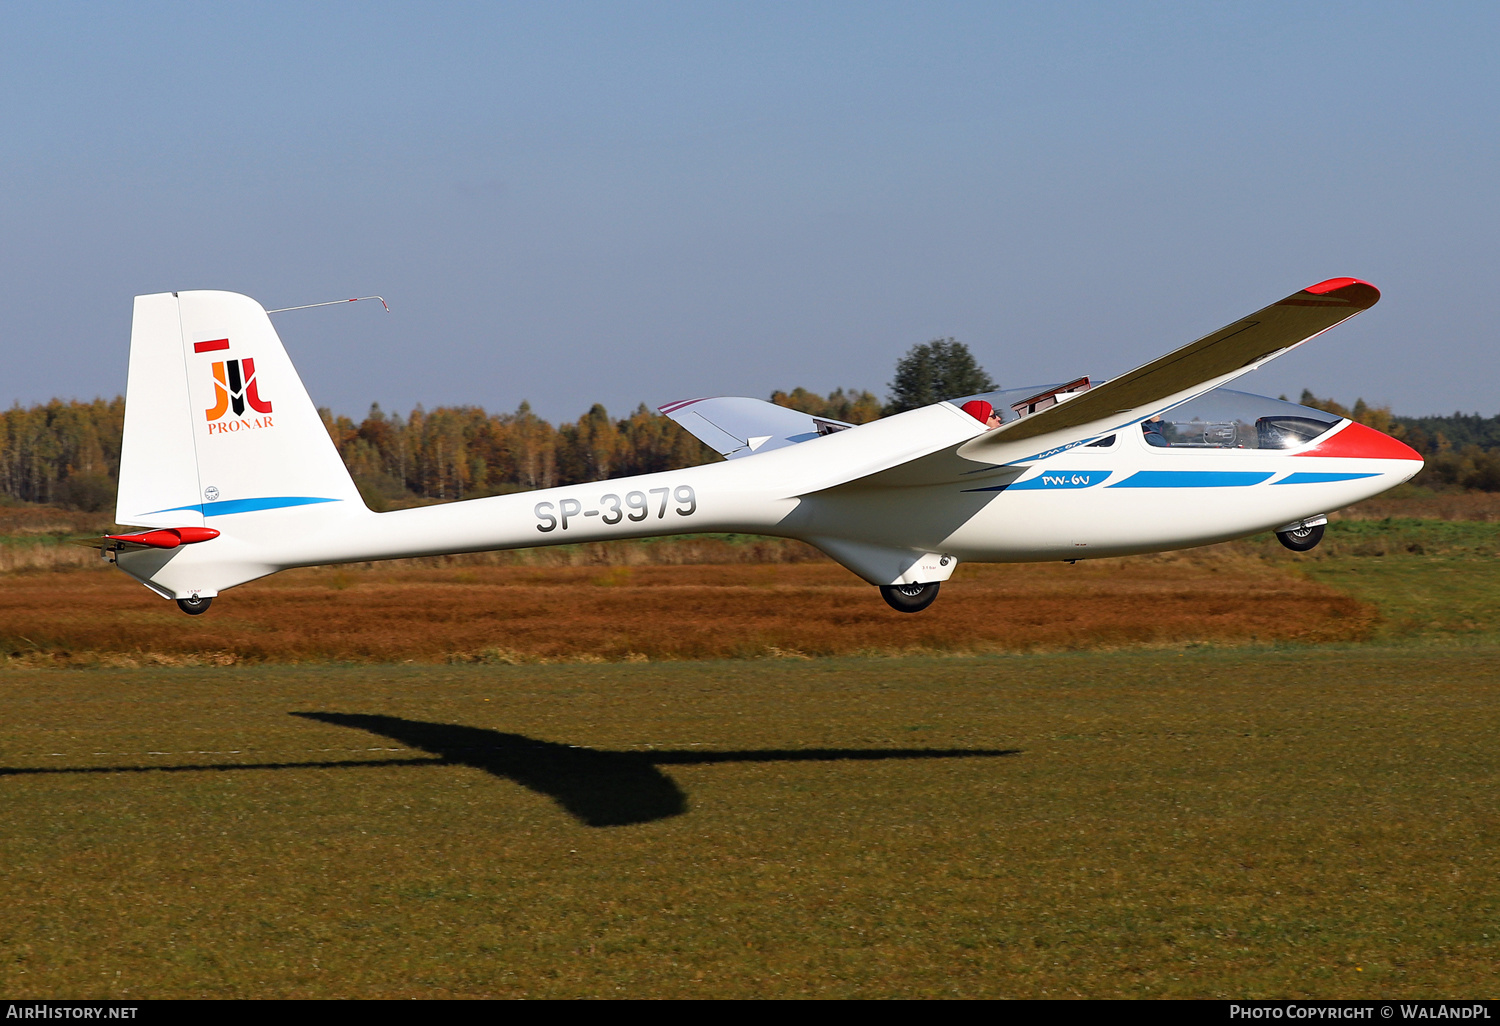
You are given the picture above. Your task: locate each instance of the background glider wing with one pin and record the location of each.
(1196, 368)
(735, 426)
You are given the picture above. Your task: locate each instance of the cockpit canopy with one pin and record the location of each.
(1227, 419)
(1219, 419)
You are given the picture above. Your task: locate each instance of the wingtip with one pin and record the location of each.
(1361, 293)
(667, 409)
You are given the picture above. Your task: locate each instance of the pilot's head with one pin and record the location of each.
(982, 412)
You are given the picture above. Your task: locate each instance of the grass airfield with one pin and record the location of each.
(1213, 823)
(1199, 818)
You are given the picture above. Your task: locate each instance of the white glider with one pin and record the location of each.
(227, 467)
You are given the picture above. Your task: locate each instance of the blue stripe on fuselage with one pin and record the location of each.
(1320, 478)
(224, 507)
(1062, 479)
(1193, 479)
(1052, 479)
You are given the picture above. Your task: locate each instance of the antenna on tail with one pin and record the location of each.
(333, 302)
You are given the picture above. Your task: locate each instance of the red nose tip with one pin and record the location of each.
(1359, 442)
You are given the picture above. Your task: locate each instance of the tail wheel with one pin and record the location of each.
(195, 605)
(908, 598)
(1302, 539)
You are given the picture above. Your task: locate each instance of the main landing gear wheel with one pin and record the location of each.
(1302, 539)
(195, 605)
(908, 598)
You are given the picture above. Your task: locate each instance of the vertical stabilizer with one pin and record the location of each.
(217, 421)
(220, 433)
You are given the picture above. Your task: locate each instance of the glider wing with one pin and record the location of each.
(734, 426)
(1196, 368)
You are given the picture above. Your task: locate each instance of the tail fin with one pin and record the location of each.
(216, 420)
(220, 433)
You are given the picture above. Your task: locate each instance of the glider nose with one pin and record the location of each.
(1359, 442)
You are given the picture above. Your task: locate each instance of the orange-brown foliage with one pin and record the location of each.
(520, 613)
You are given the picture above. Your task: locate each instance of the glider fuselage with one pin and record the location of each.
(1088, 502)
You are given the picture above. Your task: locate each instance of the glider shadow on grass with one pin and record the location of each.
(597, 787)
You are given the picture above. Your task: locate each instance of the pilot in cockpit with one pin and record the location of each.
(982, 412)
(1152, 429)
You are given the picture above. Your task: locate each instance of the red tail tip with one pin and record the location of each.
(168, 537)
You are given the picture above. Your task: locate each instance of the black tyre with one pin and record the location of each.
(195, 605)
(1302, 539)
(908, 598)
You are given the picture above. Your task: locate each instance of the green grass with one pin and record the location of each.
(1424, 600)
(1413, 536)
(1255, 823)
(1435, 582)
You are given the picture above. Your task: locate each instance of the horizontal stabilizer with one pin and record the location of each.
(736, 426)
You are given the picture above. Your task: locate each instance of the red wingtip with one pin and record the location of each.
(1331, 284)
(1356, 293)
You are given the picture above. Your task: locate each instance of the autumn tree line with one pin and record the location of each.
(67, 453)
(465, 452)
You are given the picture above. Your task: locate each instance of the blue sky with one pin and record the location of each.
(571, 203)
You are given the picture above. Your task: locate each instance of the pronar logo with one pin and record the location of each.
(235, 388)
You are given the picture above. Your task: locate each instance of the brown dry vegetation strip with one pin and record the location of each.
(24, 519)
(521, 614)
